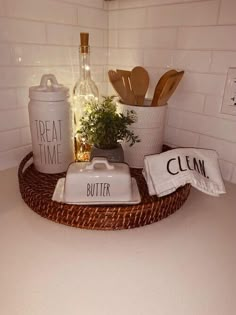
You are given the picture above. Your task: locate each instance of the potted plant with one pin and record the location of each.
(104, 128)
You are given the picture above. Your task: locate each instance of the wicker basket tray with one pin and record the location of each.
(37, 189)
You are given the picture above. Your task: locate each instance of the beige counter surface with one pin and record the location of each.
(183, 265)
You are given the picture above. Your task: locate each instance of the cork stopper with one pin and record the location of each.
(84, 42)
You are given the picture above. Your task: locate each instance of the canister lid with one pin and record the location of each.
(49, 90)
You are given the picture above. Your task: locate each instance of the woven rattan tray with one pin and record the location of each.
(37, 190)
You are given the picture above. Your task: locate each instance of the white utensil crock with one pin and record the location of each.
(150, 129)
(50, 116)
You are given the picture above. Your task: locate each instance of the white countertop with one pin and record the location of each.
(183, 265)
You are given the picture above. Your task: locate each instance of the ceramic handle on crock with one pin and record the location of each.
(99, 160)
(48, 77)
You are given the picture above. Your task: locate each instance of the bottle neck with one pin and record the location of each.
(85, 73)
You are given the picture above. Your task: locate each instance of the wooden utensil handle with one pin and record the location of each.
(169, 88)
(160, 85)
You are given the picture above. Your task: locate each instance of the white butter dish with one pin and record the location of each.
(99, 182)
(58, 195)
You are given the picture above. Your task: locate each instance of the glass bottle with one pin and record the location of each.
(84, 90)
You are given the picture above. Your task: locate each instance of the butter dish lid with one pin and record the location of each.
(98, 165)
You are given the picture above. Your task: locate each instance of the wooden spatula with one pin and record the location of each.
(118, 84)
(169, 88)
(139, 83)
(160, 85)
(126, 74)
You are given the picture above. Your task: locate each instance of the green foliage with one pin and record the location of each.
(102, 126)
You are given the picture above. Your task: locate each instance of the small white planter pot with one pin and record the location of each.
(112, 155)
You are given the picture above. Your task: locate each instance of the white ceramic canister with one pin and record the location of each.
(149, 127)
(51, 126)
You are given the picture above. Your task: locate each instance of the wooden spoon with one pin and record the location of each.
(139, 82)
(126, 74)
(160, 85)
(118, 84)
(169, 88)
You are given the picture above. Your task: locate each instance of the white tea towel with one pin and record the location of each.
(167, 171)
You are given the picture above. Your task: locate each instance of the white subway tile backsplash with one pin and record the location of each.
(125, 57)
(110, 90)
(98, 74)
(70, 35)
(233, 178)
(113, 39)
(213, 107)
(131, 4)
(22, 97)
(63, 34)
(226, 150)
(226, 169)
(159, 38)
(147, 38)
(21, 76)
(192, 102)
(37, 55)
(13, 30)
(198, 13)
(112, 5)
(2, 8)
(158, 58)
(5, 54)
(106, 5)
(207, 37)
(227, 12)
(130, 39)
(29, 76)
(180, 138)
(69, 75)
(9, 140)
(140, 3)
(135, 18)
(103, 88)
(204, 83)
(87, 3)
(105, 40)
(99, 56)
(201, 124)
(192, 60)
(49, 10)
(92, 18)
(12, 119)
(65, 75)
(136, 3)
(222, 60)
(8, 99)
(25, 136)
(12, 158)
